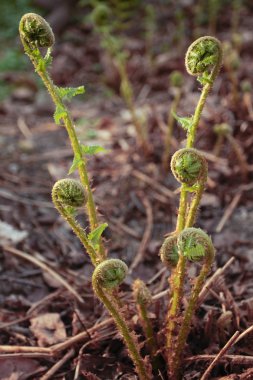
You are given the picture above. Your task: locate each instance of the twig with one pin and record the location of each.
(218, 273)
(160, 294)
(157, 275)
(56, 348)
(46, 268)
(23, 127)
(151, 182)
(146, 235)
(58, 365)
(13, 197)
(228, 212)
(234, 359)
(244, 333)
(219, 355)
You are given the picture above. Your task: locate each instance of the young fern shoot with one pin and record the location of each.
(69, 194)
(36, 33)
(108, 276)
(143, 299)
(102, 19)
(203, 60)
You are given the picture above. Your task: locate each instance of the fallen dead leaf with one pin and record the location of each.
(48, 329)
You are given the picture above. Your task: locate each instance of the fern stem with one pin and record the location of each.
(112, 306)
(68, 122)
(77, 229)
(186, 324)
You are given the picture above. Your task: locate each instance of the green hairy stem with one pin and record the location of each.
(68, 193)
(200, 240)
(102, 17)
(108, 275)
(203, 59)
(143, 299)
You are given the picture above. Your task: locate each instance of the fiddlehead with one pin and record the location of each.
(101, 16)
(69, 192)
(67, 195)
(189, 166)
(143, 299)
(107, 276)
(204, 58)
(169, 251)
(141, 293)
(35, 31)
(194, 244)
(176, 79)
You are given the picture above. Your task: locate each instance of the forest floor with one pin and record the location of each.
(136, 197)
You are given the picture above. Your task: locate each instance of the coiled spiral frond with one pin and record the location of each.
(35, 31)
(101, 15)
(223, 129)
(176, 79)
(109, 274)
(169, 251)
(69, 192)
(195, 244)
(204, 56)
(141, 293)
(189, 166)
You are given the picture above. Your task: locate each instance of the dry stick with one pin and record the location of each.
(240, 155)
(228, 212)
(146, 235)
(244, 333)
(56, 348)
(160, 295)
(234, 359)
(150, 181)
(219, 272)
(46, 268)
(58, 365)
(219, 355)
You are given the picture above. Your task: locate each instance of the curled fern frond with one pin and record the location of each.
(195, 244)
(109, 274)
(141, 293)
(169, 251)
(176, 79)
(35, 31)
(189, 166)
(69, 192)
(204, 56)
(101, 15)
(223, 129)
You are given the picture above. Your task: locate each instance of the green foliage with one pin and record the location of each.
(90, 150)
(67, 93)
(60, 114)
(95, 235)
(93, 149)
(203, 58)
(192, 249)
(185, 122)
